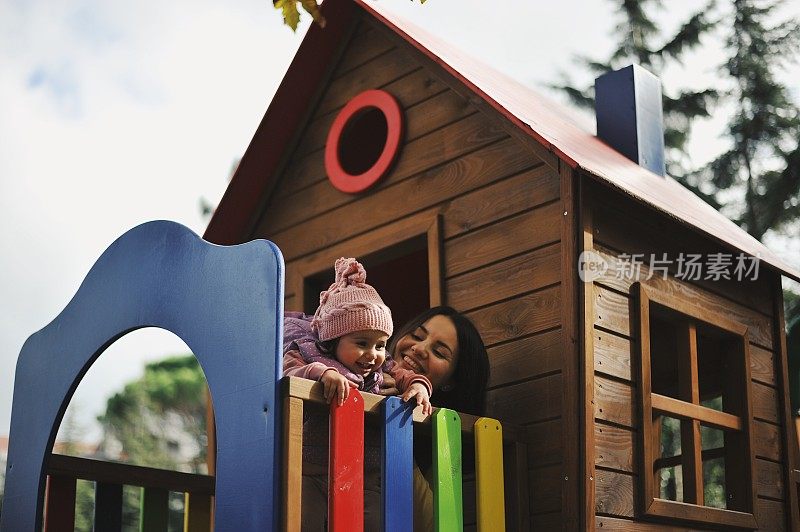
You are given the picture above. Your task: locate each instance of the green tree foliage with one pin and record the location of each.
(146, 416)
(84, 506)
(763, 158)
(757, 179)
(640, 41)
(291, 14)
(150, 422)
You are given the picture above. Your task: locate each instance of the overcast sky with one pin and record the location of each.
(114, 113)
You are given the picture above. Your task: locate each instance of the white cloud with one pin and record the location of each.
(113, 114)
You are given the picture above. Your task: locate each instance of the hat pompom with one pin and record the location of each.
(350, 304)
(349, 272)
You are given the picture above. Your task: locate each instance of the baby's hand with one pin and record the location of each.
(420, 391)
(336, 385)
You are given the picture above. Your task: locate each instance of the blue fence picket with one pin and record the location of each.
(397, 463)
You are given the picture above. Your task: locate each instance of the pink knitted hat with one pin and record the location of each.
(350, 304)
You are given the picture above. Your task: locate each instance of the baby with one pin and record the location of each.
(344, 344)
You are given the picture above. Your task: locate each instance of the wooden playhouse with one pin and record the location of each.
(457, 185)
(636, 336)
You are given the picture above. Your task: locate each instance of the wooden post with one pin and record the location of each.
(397, 463)
(691, 448)
(346, 465)
(489, 475)
(154, 510)
(196, 513)
(59, 514)
(292, 463)
(448, 512)
(107, 507)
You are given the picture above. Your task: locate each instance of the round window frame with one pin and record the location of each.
(390, 108)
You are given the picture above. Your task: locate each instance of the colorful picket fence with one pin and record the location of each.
(346, 480)
(346, 500)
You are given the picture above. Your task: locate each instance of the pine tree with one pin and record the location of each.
(638, 33)
(763, 160)
(756, 181)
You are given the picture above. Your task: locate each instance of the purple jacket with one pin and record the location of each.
(298, 337)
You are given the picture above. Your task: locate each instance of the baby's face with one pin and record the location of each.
(362, 352)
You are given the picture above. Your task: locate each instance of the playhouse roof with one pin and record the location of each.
(547, 122)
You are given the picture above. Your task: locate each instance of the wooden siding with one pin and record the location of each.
(620, 227)
(500, 217)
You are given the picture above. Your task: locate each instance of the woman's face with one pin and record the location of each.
(431, 350)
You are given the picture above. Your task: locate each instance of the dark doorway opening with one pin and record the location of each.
(400, 274)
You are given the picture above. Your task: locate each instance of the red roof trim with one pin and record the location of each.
(231, 221)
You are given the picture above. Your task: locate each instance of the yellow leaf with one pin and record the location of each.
(312, 9)
(291, 16)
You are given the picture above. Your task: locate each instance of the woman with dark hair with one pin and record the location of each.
(444, 346)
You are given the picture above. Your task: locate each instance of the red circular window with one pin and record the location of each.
(363, 141)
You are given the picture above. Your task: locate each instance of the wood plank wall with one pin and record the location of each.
(619, 226)
(498, 205)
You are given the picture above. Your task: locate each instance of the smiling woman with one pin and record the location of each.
(430, 349)
(443, 345)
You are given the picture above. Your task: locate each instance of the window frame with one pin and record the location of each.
(427, 226)
(650, 403)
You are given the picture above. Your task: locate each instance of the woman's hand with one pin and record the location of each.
(420, 391)
(336, 386)
(388, 386)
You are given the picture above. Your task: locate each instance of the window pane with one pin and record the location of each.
(670, 437)
(714, 403)
(671, 479)
(669, 473)
(713, 443)
(719, 368)
(712, 438)
(714, 483)
(663, 354)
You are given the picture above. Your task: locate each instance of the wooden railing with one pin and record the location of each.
(491, 498)
(63, 473)
(507, 461)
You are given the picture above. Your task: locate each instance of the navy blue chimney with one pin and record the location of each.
(627, 104)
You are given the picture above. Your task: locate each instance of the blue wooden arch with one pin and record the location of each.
(226, 303)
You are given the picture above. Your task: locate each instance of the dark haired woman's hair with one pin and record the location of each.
(471, 375)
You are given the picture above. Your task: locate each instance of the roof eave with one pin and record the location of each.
(232, 220)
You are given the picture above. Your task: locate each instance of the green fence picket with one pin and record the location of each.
(448, 514)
